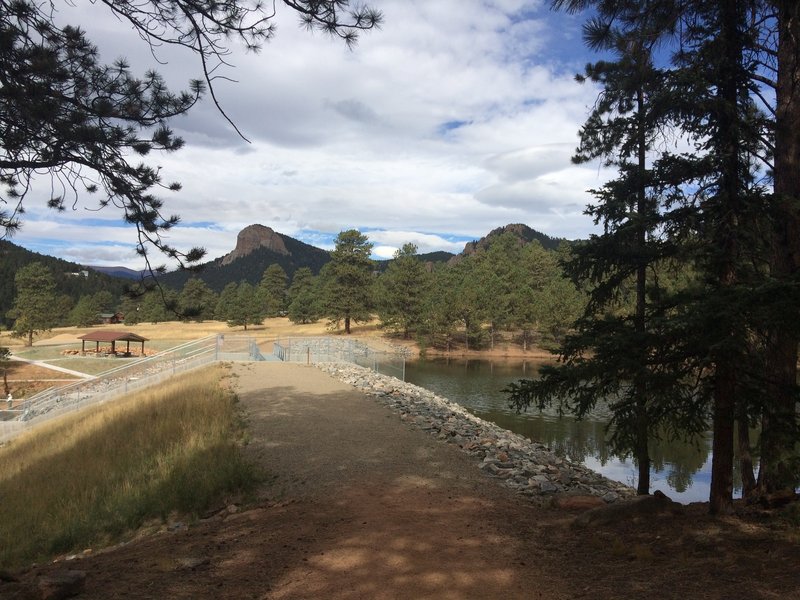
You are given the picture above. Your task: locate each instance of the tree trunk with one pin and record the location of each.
(779, 429)
(725, 237)
(640, 318)
(721, 495)
(347, 324)
(745, 456)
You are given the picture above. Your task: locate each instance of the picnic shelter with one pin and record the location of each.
(111, 337)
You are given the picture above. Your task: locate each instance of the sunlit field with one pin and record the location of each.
(92, 478)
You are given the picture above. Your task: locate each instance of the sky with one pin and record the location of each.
(454, 118)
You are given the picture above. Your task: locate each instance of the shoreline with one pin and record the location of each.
(527, 467)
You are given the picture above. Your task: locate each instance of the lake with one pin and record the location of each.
(680, 470)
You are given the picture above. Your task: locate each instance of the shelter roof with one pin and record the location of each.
(112, 336)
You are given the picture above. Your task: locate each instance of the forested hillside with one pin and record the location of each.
(69, 285)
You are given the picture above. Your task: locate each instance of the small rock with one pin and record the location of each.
(546, 487)
(191, 563)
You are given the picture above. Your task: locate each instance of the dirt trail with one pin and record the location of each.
(359, 505)
(386, 512)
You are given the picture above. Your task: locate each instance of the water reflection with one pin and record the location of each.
(681, 470)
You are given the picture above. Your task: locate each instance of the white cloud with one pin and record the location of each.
(453, 119)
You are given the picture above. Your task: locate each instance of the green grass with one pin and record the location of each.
(89, 479)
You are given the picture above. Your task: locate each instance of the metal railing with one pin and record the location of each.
(116, 382)
(141, 373)
(312, 350)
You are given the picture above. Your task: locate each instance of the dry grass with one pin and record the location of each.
(178, 331)
(92, 477)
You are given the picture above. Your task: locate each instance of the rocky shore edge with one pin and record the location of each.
(529, 468)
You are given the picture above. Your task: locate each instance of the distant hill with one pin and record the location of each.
(439, 256)
(524, 233)
(257, 247)
(436, 257)
(72, 280)
(121, 272)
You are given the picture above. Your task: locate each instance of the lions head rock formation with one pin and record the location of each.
(252, 238)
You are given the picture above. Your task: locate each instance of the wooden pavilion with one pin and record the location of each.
(111, 337)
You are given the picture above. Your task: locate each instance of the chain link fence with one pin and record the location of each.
(116, 382)
(145, 372)
(312, 350)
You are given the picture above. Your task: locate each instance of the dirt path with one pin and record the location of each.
(358, 505)
(382, 511)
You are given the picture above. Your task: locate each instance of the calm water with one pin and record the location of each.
(682, 471)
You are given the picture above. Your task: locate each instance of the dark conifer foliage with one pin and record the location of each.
(729, 334)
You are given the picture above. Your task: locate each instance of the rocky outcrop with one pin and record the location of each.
(252, 238)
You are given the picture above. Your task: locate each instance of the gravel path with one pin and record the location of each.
(386, 511)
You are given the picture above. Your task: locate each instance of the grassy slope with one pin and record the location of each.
(92, 477)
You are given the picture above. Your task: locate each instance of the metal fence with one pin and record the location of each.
(137, 374)
(131, 376)
(312, 350)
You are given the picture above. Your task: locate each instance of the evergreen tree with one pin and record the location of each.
(84, 313)
(240, 305)
(401, 291)
(537, 268)
(104, 301)
(303, 297)
(779, 42)
(466, 298)
(35, 306)
(615, 354)
(712, 331)
(226, 304)
(196, 301)
(438, 318)
(348, 280)
(497, 278)
(158, 306)
(272, 290)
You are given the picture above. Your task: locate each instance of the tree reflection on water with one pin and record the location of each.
(681, 469)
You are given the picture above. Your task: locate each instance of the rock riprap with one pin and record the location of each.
(529, 468)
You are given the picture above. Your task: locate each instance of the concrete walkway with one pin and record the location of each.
(45, 365)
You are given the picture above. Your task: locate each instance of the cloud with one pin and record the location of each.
(425, 242)
(453, 119)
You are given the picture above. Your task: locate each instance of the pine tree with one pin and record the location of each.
(610, 357)
(348, 280)
(401, 291)
(713, 330)
(303, 301)
(84, 313)
(35, 306)
(780, 463)
(272, 290)
(196, 301)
